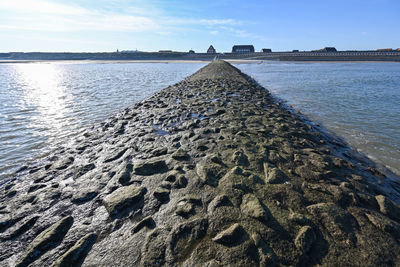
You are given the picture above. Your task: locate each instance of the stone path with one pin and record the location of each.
(208, 172)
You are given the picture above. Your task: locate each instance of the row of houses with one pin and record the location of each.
(239, 49)
(246, 49)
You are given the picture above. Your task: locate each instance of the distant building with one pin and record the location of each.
(243, 49)
(329, 49)
(326, 49)
(211, 50)
(384, 49)
(266, 50)
(398, 49)
(295, 51)
(165, 51)
(191, 51)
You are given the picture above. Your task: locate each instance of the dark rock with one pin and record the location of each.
(146, 222)
(84, 196)
(181, 182)
(124, 177)
(210, 173)
(150, 167)
(219, 201)
(123, 198)
(28, 224)
(76, 254)
(153, 250)
(45, 241)
(35, 187)
(252, 207)
(231, 236)
(183, 237)
(159, 151)
(64, 163)
(305, 239)
(240, 158)
(162, 195)
(388, 208)
(273, 175)
(116, 156)
(181, 155)
(84, 169)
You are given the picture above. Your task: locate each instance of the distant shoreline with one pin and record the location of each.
(180, 61)
(342, 56)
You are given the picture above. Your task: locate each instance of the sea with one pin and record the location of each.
(46, 104)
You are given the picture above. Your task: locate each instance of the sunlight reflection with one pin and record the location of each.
(43, 89)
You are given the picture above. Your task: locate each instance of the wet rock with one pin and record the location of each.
(304, 239)
(387, 207)
(84, 196)
(159, 151)
(231, 236)
(122, 198)
(45, 241)
(252, 207)
(210, 173)
(172, 177)
(338, 222)
(146, 222)
(240, 158)
(298, 218)
(116, 156)
(151, 167)
(181, 182)
(273, 175)
(180, 155)
(64, 163)
(186, 206)
(84, 169)
(202, 147)
(35, 187)
(219, 201)
(153, 250)
(26, 225)
(384, 224)
(124, 176)
(76, 255)
(183, 237)
(162, 195)
(266, 255)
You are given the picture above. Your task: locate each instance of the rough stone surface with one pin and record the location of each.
(75, 255)
(211, 171)
(230, 236)
(304, 239)
(252, 207)
(123, 198)
(47, 240)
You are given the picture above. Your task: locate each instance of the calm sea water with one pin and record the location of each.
(43, 105)
(358, 101)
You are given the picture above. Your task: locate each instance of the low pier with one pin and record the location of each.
(211, 171)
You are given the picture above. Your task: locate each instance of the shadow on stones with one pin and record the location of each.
(125, 212)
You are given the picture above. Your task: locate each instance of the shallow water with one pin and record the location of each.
(43, 105)
(358, 101)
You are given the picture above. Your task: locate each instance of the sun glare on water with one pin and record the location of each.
(44, 90)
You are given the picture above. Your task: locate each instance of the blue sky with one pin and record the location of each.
(83, 25)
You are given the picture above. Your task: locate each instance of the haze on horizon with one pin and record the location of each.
(108, 25)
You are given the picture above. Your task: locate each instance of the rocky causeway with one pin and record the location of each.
(211, 171)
